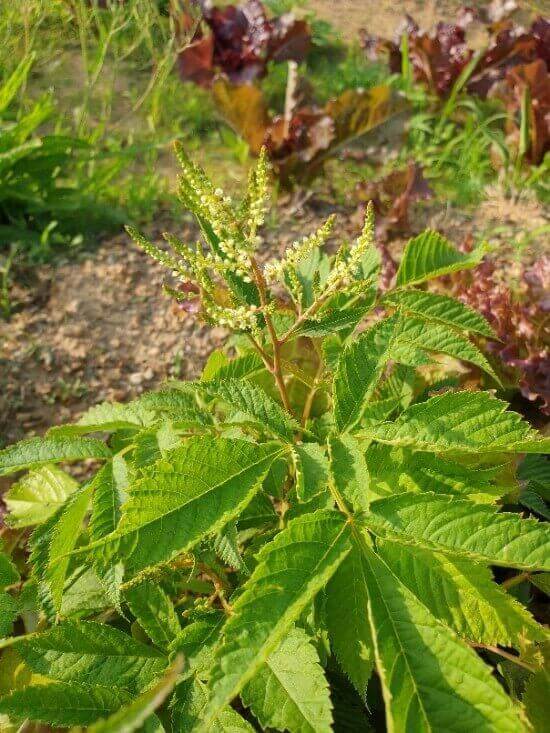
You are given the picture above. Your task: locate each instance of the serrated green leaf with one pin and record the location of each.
(152, 444)
(541, 581)
(535, 700)
(442, 309)
(83, 594)
(350, 713)
(139, 714)
(107, 417)
(332, 322)
(36, 452)
(311, 466)
(204, 484)
(260, 511)
(408, 341)
(197, 641)
(399, 385)
(216, 359)
(9, 611)
(92, 653)
(290, 692)
(349, 470)
(462, 528)
(238, 368)
(37, 496)
(535, 470)
(62, 540)
(188, 704)
(360, 368)
(462, 422)
(349, 631)
(226, 547)
(291, 570)
(462, 595)
(250, 401)
(154, 611)
(8, 572)
(431, 681)
(394, 470)
(176, 404)
(63, 704)
(430, 255)
(438, 338)
(536, 504)
(108, 487)
(111, 578)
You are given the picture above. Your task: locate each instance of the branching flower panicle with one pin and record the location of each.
(345, 267)
(276, 269)
(255, 202)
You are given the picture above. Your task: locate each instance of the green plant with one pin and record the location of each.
(49, 192)
(304, 508)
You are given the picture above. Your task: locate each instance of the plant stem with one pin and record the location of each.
(276, 368)
(515, 580)
(505, 655)
(312, 392)
(261, 351)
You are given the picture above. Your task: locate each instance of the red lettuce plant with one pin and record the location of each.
(240, 42)
(514, 68)
(522, 323)
(439, 56)
(301, 139)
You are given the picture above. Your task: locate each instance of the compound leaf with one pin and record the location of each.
(291, 570)
(195, 491)
(431, 681)
(290, 692)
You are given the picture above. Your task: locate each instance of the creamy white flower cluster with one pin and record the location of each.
(257, 196)
(232, 241)
(275, 270)
(347, 263)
